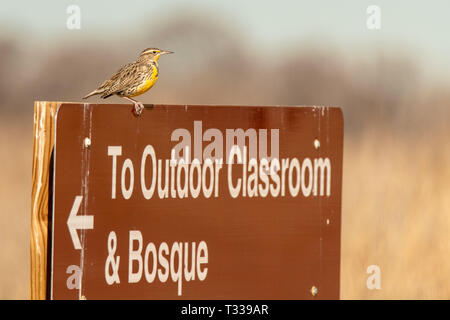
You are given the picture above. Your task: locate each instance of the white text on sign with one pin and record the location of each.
(181, 261)
(181, 177)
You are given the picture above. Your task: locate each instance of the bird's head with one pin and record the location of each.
(152, 54)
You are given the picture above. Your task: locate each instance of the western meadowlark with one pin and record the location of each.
(133, 79)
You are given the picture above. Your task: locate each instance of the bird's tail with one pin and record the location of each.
(96, 91)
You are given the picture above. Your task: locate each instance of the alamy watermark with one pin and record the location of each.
(73, 21)
(374, 280)
(373, 21)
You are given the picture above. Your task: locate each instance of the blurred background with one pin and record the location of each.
(388, 69)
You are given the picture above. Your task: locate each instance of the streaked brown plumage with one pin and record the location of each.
(133, 79)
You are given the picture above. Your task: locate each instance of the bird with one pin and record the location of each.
(133, 79)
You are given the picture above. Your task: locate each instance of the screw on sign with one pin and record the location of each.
(197, 202)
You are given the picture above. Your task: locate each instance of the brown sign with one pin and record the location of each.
(196, 202)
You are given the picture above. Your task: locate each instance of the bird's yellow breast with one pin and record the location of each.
(148, 83)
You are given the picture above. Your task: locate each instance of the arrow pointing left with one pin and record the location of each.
(75, 222)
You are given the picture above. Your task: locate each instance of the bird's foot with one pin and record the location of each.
(138, 107)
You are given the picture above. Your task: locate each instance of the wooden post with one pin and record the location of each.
(43, 137)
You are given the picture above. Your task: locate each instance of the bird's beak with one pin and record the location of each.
(165, 52)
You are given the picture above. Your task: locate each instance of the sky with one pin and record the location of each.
(413, 25)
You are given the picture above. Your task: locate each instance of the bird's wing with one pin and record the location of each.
(119, 81)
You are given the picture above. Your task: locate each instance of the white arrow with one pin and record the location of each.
(75, 222)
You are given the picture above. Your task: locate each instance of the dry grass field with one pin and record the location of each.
(396, 208)
(16, 146)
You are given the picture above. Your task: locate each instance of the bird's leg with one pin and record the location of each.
(138, 106)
